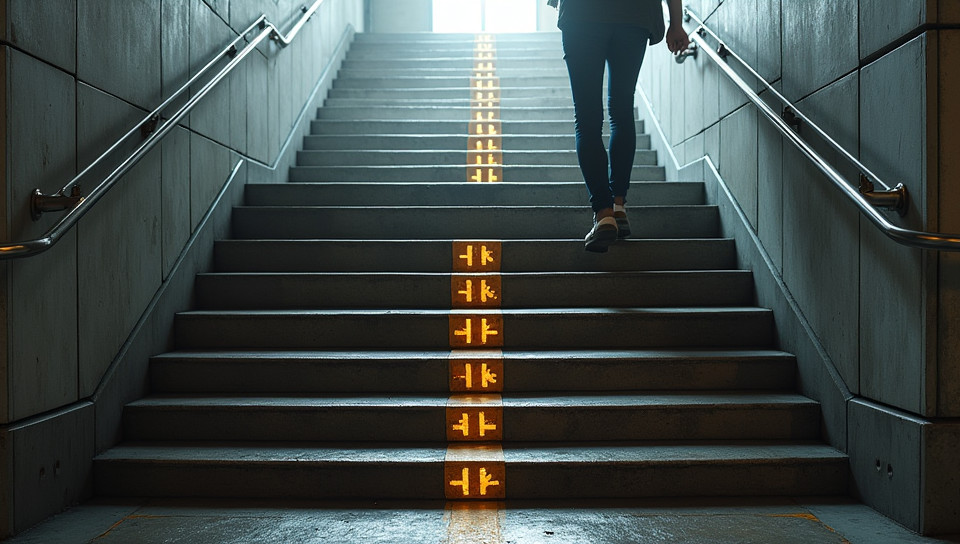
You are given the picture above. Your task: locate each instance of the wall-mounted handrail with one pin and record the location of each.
(152, 128)
(866, 198)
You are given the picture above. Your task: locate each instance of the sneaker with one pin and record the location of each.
(623, 224)
(603, 233)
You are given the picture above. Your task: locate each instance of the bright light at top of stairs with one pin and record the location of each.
(485, 15)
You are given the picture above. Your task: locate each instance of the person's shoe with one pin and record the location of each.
(623, 224)
(603, 233)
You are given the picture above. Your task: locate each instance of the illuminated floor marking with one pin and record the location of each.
(476, 330)
(473, 418)
(476, 371)
(474, 471)
(476, 256)
(469, 291)
(474, 468)
(484, 151)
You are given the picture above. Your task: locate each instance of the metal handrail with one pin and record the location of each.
(866, 198)
(152, 128)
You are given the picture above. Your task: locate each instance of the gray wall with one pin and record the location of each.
(76, 74)
(884, 318)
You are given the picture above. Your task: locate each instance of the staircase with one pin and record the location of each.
(395, 324)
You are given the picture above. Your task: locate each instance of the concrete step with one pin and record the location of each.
(465, 63)
(454, 174)
(557, 328)
(607, 469)
(432, 37)
(427, 55)
(280, 291)
(397, 372)
(447, 158)
(445, 113)
(405, 126)
(457, 82)
(463, 223)
(426, 142)
(437, 256)
(552, 69)
(570, 193)
(526, 417)
(535, 91)
(459, 102)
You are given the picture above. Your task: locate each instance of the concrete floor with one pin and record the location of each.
(740, 521)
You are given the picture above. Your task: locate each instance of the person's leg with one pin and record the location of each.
(585, 51)
(624, 57)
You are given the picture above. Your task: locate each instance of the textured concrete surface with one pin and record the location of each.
(769, 224)
(111, 57)
(883, 22)
(52, 464)
(885, 461)
(391, 16)
(126, 55)
(821, 234)
(738, 151)
(720, 521)
(45, 28)
(940, 509)
(894, 93)
(114, 283)
(851, 284)
(819, 44)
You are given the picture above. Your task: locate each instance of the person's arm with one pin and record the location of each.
(677, 39)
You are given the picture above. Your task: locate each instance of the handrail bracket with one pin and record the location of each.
(40, 203)
(893, 199)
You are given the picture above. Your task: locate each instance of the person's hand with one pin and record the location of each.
(677, 39)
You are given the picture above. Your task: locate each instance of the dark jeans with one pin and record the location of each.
(586, 49)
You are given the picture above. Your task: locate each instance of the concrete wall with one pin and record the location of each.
(884, 318)
(400, 15)
(77, 322)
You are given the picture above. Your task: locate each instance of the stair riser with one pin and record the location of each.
(453, 174)
(456, 128)
(463, 102)
(427, 373)
(553, 69)
(465, 63)
(305, 480)
(422, 330)
(447, 158)
(428, 424)
(465, 82)
(439, 141)
(277, 292)
(425, 55)
(463, 194)
(402, 39)
(517, 256)
(451, 93)
(427, 113)
(408, 223)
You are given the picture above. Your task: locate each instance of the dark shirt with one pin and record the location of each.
(644, 13)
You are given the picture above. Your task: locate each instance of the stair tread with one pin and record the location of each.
(596, 453)
(509, 400)
(472, 311)
(507, 354)
(536, 275)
